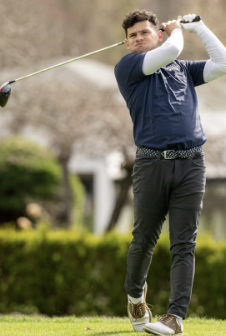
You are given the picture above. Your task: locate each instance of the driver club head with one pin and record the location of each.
(5, 92)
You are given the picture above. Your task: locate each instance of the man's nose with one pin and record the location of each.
(139, 37)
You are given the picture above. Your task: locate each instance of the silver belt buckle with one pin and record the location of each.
(167, 158)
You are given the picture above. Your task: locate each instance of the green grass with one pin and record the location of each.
(21, 325)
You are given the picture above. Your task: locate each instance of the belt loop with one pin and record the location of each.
(159, 155)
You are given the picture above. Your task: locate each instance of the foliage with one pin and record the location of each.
(58, 273)
(26, 171)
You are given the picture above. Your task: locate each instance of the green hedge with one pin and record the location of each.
(58, 273)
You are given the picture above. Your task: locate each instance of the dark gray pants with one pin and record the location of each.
(162, 186)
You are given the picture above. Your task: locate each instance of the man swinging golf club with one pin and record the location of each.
(169, 170)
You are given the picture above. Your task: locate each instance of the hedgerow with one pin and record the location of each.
(60, 273)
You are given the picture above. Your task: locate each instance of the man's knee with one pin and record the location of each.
(183, 249)
(142, 246)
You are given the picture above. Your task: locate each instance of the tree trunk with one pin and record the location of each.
(121, 199)
(67, 194)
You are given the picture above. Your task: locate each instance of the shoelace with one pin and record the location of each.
(137, 308)
(167, 317)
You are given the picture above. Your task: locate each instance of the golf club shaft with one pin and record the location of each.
(70, 61)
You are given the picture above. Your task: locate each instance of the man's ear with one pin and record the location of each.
(160, 35)
(127, 44)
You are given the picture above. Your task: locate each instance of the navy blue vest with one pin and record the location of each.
(163, 106)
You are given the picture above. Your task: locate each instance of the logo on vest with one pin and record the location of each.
(172, 67)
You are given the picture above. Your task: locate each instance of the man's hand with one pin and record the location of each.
(192, 27)
(171, 25)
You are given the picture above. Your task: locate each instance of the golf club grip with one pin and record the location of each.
(196, 19)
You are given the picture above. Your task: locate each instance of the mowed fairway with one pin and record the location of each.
(24, 325)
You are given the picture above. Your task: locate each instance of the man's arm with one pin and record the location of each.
(168, 51)
(216, 66)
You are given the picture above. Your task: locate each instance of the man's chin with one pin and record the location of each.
(142, 50)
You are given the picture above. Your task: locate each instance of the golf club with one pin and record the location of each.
(5, 89)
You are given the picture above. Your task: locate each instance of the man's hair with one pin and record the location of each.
(138, 16)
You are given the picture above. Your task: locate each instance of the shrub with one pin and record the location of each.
(58, 273)
(26, 171)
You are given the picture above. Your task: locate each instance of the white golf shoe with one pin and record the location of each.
(167, 324)
(139, 313)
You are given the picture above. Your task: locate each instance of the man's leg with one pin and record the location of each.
(150, 208)
(184, 212)
(187, 191)
(183, 232)
(141, 249)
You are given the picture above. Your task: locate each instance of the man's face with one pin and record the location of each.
(143, 37)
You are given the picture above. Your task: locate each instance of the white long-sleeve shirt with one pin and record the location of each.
(215, 67)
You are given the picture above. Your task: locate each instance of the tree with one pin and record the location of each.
(27, 172)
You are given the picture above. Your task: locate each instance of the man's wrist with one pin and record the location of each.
(176, 30)
(200, 27)
(192, 26)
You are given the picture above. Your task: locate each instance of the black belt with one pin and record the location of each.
(170, 154)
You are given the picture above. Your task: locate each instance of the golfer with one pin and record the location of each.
(169, 169)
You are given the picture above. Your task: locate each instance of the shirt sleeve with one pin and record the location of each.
(216, 65)
(166, 54)
(129, 69)
(195, 70)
